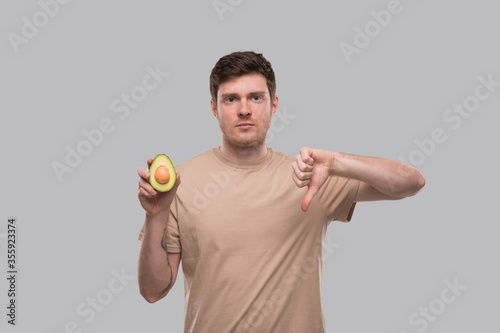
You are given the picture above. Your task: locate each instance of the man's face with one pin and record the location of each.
(244, 110)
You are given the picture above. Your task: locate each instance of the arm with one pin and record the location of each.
(381, 179)
(157, 268)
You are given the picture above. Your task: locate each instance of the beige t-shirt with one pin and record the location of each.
(251, 258)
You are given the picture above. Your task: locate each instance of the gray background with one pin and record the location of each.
(392, 259)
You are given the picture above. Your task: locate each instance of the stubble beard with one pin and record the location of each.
(238, 143)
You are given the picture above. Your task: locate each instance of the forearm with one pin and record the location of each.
(154, 270)
(395, 179)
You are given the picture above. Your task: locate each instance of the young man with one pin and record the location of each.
(249, 222)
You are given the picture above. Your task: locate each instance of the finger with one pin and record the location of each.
(306, 155)
(149, 162)
(147, 187)
(301, 176)
(177, 181)
(311, 192)
(145, 193)
(302, 166)
(300, 182)
(143, 173)
(300, 173)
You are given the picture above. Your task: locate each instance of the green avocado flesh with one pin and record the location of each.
(162, 174)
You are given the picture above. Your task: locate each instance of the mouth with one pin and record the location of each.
(244, 125)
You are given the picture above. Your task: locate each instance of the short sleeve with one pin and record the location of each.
(173, 240)
(337, 198)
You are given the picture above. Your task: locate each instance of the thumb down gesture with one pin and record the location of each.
(311, 168)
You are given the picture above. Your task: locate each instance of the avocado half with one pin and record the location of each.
(162, 174)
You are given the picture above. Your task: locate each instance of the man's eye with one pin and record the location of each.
(230, 99)
(257, 98)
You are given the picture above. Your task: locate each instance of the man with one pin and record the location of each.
(249, 222)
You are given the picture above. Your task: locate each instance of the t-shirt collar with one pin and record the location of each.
(254, 165)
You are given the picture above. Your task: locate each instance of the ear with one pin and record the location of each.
(274, 105)
(213, 106)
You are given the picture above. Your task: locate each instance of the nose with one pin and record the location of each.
(244, 110)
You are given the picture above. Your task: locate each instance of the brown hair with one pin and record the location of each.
(240, 63)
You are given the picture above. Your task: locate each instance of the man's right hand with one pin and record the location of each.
(154, 203)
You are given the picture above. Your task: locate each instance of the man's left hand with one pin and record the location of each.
(380, 178)
(311, 168)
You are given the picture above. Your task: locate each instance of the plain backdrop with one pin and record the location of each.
(385, 97)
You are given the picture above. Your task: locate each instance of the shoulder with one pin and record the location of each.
(282, 159)
(196, 162)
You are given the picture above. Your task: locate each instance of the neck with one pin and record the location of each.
(243, 154)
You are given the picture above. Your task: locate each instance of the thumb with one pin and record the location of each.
(311, 192)
(177, 181)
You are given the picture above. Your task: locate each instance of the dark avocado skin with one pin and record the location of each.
(159, 160)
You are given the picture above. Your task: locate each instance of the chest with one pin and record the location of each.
(240, 214)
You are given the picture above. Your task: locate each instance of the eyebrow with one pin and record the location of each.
(235, 94)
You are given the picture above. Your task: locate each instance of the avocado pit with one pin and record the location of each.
(162, 175)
